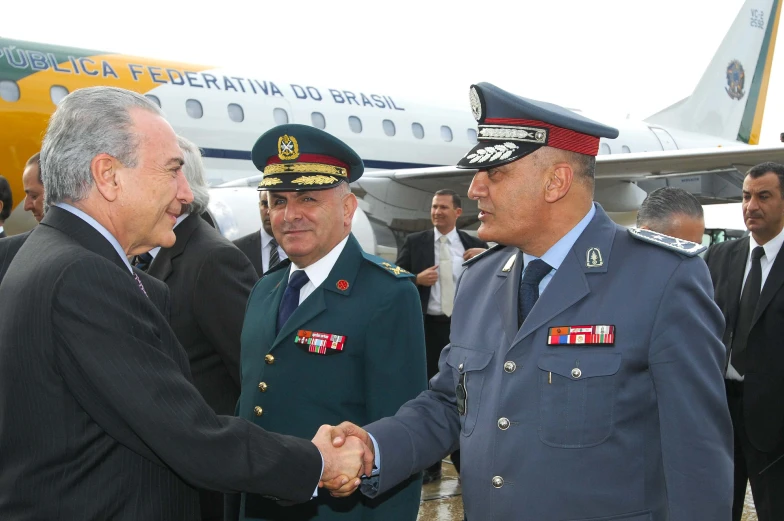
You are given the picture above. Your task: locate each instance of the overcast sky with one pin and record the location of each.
(613, 57)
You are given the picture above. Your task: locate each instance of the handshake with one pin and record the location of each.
(348, 454)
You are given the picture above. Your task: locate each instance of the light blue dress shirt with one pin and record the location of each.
(99, 228)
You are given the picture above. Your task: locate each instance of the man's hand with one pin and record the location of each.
(472, 252)
(342, 463)
(427, 277)
(343, 434)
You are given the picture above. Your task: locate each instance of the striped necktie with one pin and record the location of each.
(274, 256)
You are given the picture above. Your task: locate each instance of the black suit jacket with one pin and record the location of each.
(251, 246)
(8, 248)
(763, 381)
(98, 417)
(418, 253)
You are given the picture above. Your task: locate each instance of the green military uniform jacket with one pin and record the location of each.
(287, 389)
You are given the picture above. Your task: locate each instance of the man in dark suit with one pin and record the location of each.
(436, 256)
(210, 280)
(261, 247)
(333, 331)
(748, 275)
(6, 203)
(33, 187)
(98, 416)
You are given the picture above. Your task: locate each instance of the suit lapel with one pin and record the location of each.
(255, 249)
(428, 248)
(737, 265)
(772, 285)
(569, 285)
(505, 288)
(161, 266)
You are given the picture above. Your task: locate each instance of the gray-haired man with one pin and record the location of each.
(98, 416)
(674, 212)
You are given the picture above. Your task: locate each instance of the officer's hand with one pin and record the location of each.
(341, 433)
(472, 252)
(346, 460)
(427, 277)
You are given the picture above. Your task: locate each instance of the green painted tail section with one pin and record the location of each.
(19, 59)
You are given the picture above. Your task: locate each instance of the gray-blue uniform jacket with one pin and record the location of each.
(640, 432)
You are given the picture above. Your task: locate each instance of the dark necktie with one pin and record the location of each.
(535, 271)
(290, 299)
(274, 256)
(748, 303)
(143, 261)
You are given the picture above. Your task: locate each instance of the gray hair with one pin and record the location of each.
(663, 204)
(194, 173)
(88, 122)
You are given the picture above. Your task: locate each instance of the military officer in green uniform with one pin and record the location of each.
(333, 332)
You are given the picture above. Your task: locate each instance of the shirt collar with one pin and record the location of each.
(452, 236)
(558, 251)
(771, 247)
(99, 228)
(319, 271)
(154, 252)
(2, 229)
(265, 237)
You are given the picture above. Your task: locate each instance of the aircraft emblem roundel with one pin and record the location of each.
(736, 79)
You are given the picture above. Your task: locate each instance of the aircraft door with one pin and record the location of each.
(664, 137)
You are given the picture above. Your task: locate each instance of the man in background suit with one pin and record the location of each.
(331, 332)
(210, 280)
(261, 247)
(98, 417)
(425, 253)
(674, 212)
(33, 187)
(6, 203)
(748, 275)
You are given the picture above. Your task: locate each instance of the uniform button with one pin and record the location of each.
(576, 373)
(258, 410)
(510, 367)
(269, 359)
(498, 481)
(460, 367)
(503, 423)
(262, 387)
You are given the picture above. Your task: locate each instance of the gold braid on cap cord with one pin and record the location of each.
(305, 168)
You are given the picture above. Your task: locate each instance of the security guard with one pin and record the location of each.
(583, 378)
(331, 333)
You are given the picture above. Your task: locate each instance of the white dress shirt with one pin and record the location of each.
(457, 249)
(266, 250)
(771, 248)
(318, 271)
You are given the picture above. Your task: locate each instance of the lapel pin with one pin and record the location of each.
(593, 258)
(342, 285)
(510, 263)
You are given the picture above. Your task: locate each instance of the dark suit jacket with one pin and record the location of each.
(381, 365)
(98, 417)
(210, 280)
(2, 234)
(251, 246)
(763, 383)
(418, 253)
(156, 290)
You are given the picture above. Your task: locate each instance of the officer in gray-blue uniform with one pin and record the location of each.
(583, 380)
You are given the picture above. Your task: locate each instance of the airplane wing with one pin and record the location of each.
(712, 174)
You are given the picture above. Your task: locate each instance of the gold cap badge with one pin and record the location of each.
(288, 148)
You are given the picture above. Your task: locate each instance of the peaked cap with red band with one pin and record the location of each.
(511, 127)
(299, 157)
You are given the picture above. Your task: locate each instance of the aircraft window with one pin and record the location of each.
(471, 133)
(625, 149)
(418, 130)
(355, 124)
(281, 116)
(194, 109)
(154, 99)
(605, 149)
(236, 113)
(9, 91)
(446, 133)
(57, 93)
(389, 127)
(317, 118)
